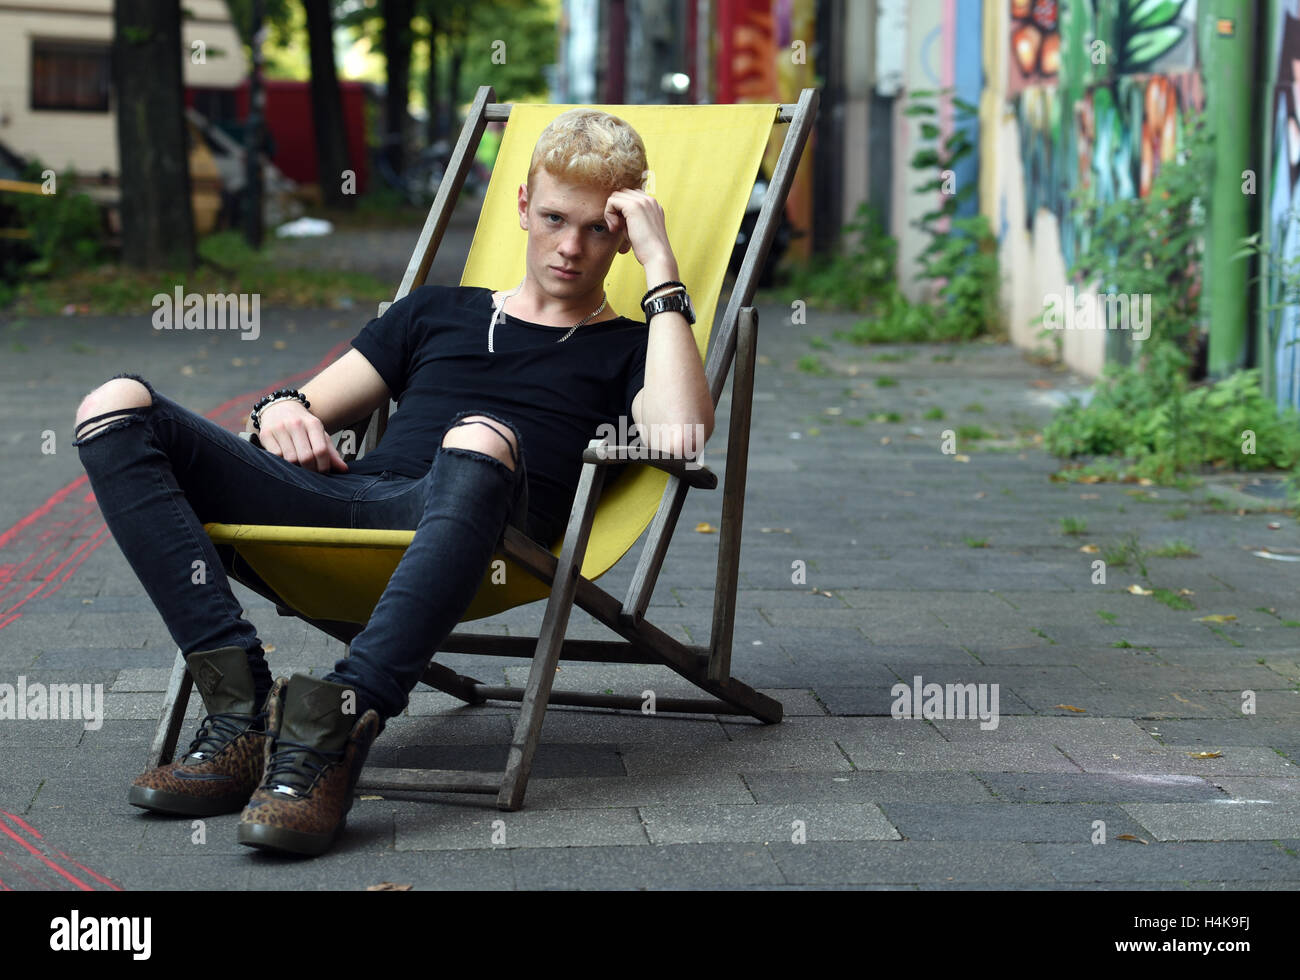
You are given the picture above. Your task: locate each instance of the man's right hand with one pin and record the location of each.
(293, 433)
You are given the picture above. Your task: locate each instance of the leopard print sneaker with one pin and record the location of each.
(224, 762)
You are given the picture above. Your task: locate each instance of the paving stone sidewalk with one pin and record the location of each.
(871, 558)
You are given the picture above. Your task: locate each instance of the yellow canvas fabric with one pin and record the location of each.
(703, 161)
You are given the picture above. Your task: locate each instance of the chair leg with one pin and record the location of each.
(550, 640)
(175, 701)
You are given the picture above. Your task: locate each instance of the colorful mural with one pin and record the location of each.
(1035, 44)
(1109, 121)
(1282, 319)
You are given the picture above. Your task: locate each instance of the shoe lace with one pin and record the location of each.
(216, 731)
(295, 767)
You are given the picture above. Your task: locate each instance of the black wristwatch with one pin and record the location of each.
(680, 302)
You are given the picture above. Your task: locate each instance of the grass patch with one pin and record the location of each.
(976, 542)
(1073, 525)
(975, 408)
(1177, 548)
(1172, 599)
(1108, 617)
(933, 414)
(885, 381)
(974, 433)
(812, 364)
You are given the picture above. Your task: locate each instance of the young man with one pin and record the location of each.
(499, 394)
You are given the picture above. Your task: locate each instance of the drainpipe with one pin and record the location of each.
(1228, 61)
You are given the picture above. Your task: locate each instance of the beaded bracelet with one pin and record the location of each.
(278, 395)
(650, 292)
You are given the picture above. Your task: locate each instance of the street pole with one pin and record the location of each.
(253, 136)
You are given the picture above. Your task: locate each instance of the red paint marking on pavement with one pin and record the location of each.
(54, 537)
(98, 877)
(42, 510)
(31, 878)
(37, 834)
(92, 543)
(53, 866)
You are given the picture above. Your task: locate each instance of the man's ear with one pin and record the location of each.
(523, 206)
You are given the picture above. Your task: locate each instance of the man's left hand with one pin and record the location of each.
(642, 218)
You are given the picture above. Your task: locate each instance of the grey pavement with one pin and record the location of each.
(1134, 744)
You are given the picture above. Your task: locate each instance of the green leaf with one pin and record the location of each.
(930, 131)
(919, 110)
(1154, 13)
(1144, 48)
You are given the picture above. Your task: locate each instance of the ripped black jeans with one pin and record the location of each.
(161, 472)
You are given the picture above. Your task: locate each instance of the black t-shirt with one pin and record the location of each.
(430, 348)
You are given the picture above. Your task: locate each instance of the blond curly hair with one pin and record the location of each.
(587, 146)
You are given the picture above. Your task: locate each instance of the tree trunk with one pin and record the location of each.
(397, 55)
(327, 108)
(453, 85)
(152, 146)
(433, 128)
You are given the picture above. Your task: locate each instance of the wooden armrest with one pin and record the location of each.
(687, 470)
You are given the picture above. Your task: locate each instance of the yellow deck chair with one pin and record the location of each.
(704, 160)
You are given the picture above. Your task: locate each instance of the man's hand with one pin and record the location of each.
(293, 433)
(642, 218)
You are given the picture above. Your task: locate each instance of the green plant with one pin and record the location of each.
(1150, 411)
(976, 542)
(65, 229)
(961, 257)
(1173, 549)
(934, 413)
(1073, 525)
(885, 381)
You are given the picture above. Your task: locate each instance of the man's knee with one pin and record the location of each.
(116, 400)
(484, 435)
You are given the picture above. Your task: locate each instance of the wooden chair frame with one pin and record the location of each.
(706, 666)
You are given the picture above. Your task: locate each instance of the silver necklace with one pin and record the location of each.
(500, 313)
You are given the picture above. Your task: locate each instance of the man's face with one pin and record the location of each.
(570, 248)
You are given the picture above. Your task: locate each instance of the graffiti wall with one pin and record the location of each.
(1093, 99)
(1281, 319)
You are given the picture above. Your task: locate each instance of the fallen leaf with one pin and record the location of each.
(1070, 707)
(981, 495)
(1205, 755)
(1217, 618)
(1136, 589)
(1041, 383)
(1186, 592)
(704, 527)
(772, 530)
(388, 886)
(885, 440)
(834, 411)
(1136, 840)
(1274, 526)
(1089, 496)
(822, 592)
(1090, 549)
(370, 796)
(279, 345)
(1090, 478)
(962, 458)
(268, 648)
(1145, 481)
